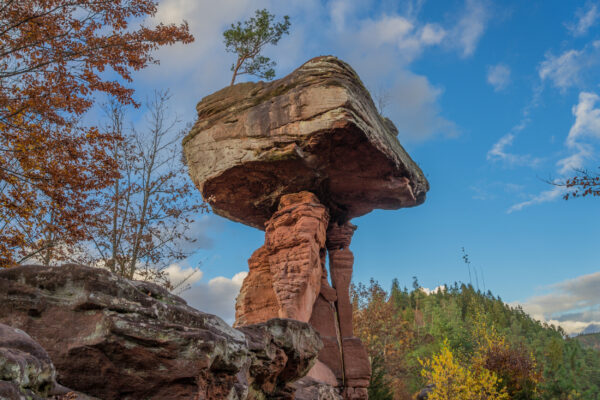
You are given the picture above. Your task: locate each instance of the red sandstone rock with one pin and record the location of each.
(125, 340)
(324, 320)
(316, 129)
(293, 156)
(288, 268)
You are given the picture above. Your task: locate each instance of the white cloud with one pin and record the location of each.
(498, 76)
(217, 296)
(414, 108)
(546, 196)
(436, 289)
(499, 152)
(572, 304)
(581, 143)
(564, 70)
(570, 68)
(432, 34)
(470, 27)
(402, 33)
(179, 274)
(339, 10)
(587, 119)
(586, 18)
(586, 126)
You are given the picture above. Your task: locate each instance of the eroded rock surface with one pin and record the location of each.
(25, 367)
(300, 157)
(284, 279)
(316, 129)
(118, 339)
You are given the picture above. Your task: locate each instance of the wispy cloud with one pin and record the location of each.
(546, 196)
(569, 69)
(581, 143)
(586, 17)
(499, 152)
(470, 27)
(573, 304)
(498, 76)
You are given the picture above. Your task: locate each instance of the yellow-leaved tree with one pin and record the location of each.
(450, 380)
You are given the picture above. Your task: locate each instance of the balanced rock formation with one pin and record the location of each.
(300, 157)
(112, 338)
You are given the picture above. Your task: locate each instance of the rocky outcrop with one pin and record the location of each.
(284, 279)
(300, 157)
(310, 389)
(26, 370)
(118, 339)
(315, 130)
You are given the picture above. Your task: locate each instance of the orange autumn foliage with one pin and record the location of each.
(55, 55)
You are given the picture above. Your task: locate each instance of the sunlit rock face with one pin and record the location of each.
(117, 339)
(316, 129)
(299, 158)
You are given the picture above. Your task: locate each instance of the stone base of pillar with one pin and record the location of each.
(287, 279)
(351, 393)
(357, 369)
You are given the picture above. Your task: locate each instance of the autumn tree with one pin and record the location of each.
(143, 219)
(55, 56)
(247, 41)
(383, 331)
(450, 380)
(585, 183)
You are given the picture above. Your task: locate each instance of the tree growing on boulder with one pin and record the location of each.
(247, 41)
(53, 55)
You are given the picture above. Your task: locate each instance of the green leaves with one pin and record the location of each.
(247, 40)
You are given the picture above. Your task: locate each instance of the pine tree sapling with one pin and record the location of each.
(247, 40)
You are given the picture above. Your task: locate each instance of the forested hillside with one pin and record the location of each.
(467, 343)
(590, 340)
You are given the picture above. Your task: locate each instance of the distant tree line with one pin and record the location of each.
(460, 339)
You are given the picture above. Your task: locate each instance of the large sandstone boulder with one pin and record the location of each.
(118, 339)
(300, 157)
(316, 129)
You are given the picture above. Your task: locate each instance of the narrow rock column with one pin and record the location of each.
(284, 277)
(324, 320)
(357, 369)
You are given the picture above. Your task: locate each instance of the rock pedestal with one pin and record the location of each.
(285, 274)
(288, 279)
(300, 157)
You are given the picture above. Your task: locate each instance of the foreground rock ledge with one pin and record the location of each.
(112, 338)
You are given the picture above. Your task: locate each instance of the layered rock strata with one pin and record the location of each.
(288, 279)
(316, 129)
(284, 279)
(300, 157)
(118, 339)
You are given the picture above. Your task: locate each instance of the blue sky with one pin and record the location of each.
(492, 101)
